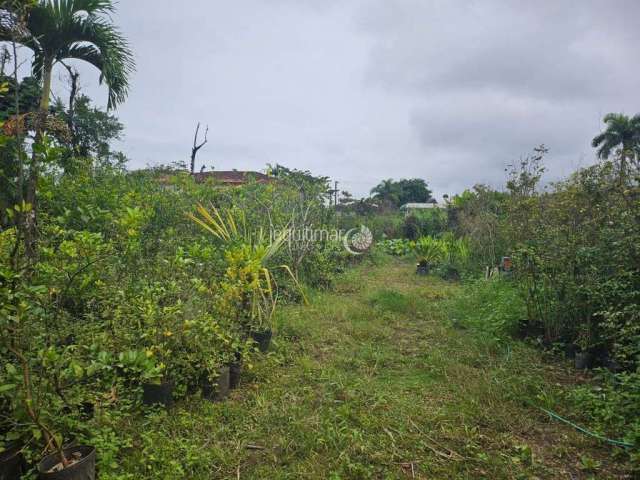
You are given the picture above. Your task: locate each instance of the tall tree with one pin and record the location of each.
(386, 191)
(59, 30)
(402, 191)
(413, 190)
(621, 132)
(94, 129)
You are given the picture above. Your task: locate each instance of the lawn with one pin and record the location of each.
(372, 381)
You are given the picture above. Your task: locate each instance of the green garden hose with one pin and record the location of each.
(617, 443)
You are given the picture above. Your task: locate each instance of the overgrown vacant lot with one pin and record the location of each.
(372, 381)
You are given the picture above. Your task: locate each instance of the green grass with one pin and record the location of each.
(372, 381)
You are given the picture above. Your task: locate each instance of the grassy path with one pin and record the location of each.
(370, 381)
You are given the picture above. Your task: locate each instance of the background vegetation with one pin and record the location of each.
(112, 280)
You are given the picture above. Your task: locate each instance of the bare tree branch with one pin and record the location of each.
(196, 147)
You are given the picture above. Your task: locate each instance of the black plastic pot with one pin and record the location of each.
(12, 463)
(83, 469)
(154, 394)
(235, 369)
(570, 351)
(218, 390)
(422, 268)
(584, 360)
(263, 339)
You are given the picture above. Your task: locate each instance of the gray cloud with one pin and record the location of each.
(490, 80)
(368, 89)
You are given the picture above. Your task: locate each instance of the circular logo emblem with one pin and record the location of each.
(357, 241)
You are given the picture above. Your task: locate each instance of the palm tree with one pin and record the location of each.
(386, 191)
(60, 30)
(621, 132)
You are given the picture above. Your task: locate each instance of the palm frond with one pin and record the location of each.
(82, 29)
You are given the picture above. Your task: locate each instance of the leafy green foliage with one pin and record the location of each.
(612, 405)
(492, 308)
(574, 247)
(621, 132)
(429, 250)
(127, 291)
(403, 191)
(396, 246)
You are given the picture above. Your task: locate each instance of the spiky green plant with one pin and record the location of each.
(456, 251)
(254, 249)
(429, 250)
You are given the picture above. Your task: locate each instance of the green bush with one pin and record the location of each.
(127, 290)
(612, 406)
(492, 308)
(397, 247)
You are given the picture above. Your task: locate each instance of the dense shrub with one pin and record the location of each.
(612, 406)
(127, 290)
(429, 222)
(575, 250)
(396, 246)
(491, 308)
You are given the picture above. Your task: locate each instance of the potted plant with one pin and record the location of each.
(215, 385)
(429, 251)
(235, 371)
(32, 391)
(584, 358)
(158, 328)
(455, 256)
(239, 350)
(12, 462)
(157, 384)
(73, 463)
(249, 282)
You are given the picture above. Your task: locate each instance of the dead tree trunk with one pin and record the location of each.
(71, 115)
(196, 147)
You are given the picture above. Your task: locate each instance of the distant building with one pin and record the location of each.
(232, 177)
(408, 207)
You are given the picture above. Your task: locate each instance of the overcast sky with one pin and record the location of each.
(448, 91)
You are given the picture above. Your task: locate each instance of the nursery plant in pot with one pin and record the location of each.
(428, 251)
(585, 358)
(158, 328)
(157, 384)
(80, 464)
(262, 338)
(239, 350)
(215, 385)
(29, 378)
(455, 256)
(249, 285)
(211, 360)
(77, 462)
(235, 371)
(12, 462)
(212, 350)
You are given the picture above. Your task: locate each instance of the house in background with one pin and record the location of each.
(407, 208)
(232, 178)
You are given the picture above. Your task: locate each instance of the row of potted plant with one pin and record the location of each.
(175, 353)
